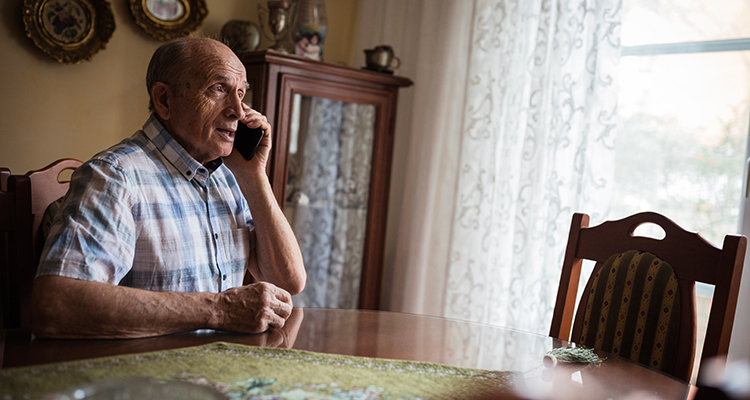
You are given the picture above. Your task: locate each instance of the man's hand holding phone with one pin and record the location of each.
(247, 140)
(252, 142)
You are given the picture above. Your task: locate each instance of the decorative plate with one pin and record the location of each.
(167, 19)
(69, 31)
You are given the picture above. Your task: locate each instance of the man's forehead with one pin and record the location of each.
(225, 71)
(215, 64)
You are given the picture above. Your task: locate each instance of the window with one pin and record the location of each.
(683, 116)
(683, 112)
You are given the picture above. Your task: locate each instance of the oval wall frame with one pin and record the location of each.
(167, 19)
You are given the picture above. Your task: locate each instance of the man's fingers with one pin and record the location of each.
(255, 119)
(283, 310)
(275, 321)
(282, 295)
(281, 302)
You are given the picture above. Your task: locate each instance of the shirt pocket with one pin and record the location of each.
(236, 245)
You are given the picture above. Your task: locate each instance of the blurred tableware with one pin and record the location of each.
(280, 16)
(382, 59)
(241, 36)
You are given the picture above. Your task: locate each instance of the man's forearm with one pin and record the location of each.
(279, 259)
(70, 308)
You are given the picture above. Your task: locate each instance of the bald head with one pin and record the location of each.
(176, 60)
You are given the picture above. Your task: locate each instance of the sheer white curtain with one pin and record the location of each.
(508, 131)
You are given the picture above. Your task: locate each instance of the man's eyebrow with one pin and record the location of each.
(224, 78)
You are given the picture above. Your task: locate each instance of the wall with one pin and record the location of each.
(50, 110)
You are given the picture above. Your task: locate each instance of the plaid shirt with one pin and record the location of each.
(146, 214)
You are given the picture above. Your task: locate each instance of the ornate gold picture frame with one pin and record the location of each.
(69, 31)
(167, 19)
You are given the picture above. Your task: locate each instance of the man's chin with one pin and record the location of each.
(226, 151)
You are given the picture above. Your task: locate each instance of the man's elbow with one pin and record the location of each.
(297, 283)
(43, 327)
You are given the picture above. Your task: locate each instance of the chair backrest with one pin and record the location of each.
(16, 255)
(46, 188)
(623, 259)
(22, 207)
(4, 174)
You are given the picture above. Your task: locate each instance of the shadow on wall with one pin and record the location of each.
(12, 19)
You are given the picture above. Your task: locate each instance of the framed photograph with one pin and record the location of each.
(167, 19)
(308, 41)
(70, 31)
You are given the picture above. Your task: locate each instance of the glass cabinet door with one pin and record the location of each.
(328, 182)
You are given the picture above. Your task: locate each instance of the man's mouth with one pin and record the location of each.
(228, 134)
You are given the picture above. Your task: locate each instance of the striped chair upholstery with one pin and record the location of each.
(633, 310)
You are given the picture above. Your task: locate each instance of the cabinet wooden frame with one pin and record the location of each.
(275, 79)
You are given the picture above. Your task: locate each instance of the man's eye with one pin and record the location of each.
(241, 94)
(219, 88)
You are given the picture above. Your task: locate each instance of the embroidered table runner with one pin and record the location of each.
(248, 372)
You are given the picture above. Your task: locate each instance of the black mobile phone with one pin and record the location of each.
(246, 140)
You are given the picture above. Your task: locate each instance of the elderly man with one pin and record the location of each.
(156, 233)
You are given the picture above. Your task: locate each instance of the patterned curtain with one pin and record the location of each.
(328, 187)
(536, 146)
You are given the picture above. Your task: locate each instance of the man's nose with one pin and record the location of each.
(235, 109)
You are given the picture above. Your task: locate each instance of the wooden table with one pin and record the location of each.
(388, 335)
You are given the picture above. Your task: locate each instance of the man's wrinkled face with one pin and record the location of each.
(206, 109)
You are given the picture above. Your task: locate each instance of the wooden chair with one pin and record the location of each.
(4, 174)
(23, 207)
(640, 300)
(46, 188)
(16, 260)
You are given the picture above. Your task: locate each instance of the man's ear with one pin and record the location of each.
(160, 96)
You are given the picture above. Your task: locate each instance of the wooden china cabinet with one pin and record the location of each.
(330, 168)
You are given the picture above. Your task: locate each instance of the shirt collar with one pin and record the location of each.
(188, 166)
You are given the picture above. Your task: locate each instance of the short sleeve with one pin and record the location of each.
(93, 236)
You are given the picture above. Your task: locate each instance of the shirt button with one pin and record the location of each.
(216, 236)
(224, 277)
(189, 173)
